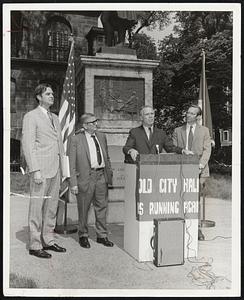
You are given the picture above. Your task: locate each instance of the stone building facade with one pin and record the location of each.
(39, 53)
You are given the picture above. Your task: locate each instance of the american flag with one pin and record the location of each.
(67, 107)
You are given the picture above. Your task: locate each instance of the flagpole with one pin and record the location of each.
(204, 222)
(203, 88)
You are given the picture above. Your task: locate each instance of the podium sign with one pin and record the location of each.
(163, 186)
(167, 187)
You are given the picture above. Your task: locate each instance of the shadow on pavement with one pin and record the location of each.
(115, 234)
(23, 236)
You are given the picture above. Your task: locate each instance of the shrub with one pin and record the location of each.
(219, 186)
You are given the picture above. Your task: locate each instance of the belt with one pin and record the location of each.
(97, 169)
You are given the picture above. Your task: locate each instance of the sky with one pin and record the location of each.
(157, 34)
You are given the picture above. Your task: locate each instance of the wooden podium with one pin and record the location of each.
(156, 187)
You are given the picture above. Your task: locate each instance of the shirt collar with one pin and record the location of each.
(193, 126)
(147, 128)
(44, 110)
(89, 134)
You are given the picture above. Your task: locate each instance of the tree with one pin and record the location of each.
(145, 46)
(176, 80)
(149, 19)
(152, 19)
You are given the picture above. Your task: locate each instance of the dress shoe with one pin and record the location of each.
(55, 248)
(84, 242)
(201, 236)
(40, 253)
(105, 242)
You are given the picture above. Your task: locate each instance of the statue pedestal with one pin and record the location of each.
(114, 86)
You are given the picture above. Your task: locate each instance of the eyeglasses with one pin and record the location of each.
(92, 122)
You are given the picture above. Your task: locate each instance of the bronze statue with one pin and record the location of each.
(119, 21)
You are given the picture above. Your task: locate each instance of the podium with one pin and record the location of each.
(160, 186)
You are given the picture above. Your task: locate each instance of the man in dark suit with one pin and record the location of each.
(148, 139)
(195, 137)
(43, 150)
(90, 174)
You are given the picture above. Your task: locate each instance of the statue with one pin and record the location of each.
(119, 21)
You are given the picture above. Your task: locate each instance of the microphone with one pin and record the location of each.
(157, 149)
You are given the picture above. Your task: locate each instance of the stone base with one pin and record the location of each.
(116, 52)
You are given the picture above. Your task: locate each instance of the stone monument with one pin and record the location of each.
(114, 84)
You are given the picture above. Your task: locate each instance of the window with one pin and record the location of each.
(58, 32)
(226, 136)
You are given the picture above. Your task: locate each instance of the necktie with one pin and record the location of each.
(190, 138)
(150, 134)
(99, 156)
(50, 117)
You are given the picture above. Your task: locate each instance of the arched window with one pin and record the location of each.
(57, 39)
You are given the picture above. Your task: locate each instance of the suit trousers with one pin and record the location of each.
(43, 211)
(97, 193)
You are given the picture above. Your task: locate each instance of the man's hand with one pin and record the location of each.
(201, 167)
(187, 152)
(74, 190)
(133, 153)
(37, 177)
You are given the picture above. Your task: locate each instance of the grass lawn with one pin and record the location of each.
(219, 186)
(18, 281)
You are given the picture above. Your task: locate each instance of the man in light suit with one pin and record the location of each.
(43, 148)
(90, 174)
(196, 138)
(148, 139)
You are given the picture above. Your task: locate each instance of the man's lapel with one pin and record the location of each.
(144, 136)
(85, 145)
(47, 122)
(196, 134)
(102, 146)
(183, 135)
(154, 136)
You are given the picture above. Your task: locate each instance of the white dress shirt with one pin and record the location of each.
(93, 151)
(44, 111)
(147, 131)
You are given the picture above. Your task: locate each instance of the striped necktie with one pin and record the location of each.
(50, 117)
(150, 134)
(190, 138)
(99, 156)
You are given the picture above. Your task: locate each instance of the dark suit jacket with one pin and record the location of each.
(201, 144)
(138, 140)
(80, 162)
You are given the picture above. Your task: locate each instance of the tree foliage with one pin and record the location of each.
(152, 19)
(176, 80)
(145, 46)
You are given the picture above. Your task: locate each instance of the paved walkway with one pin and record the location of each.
(113, 270)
